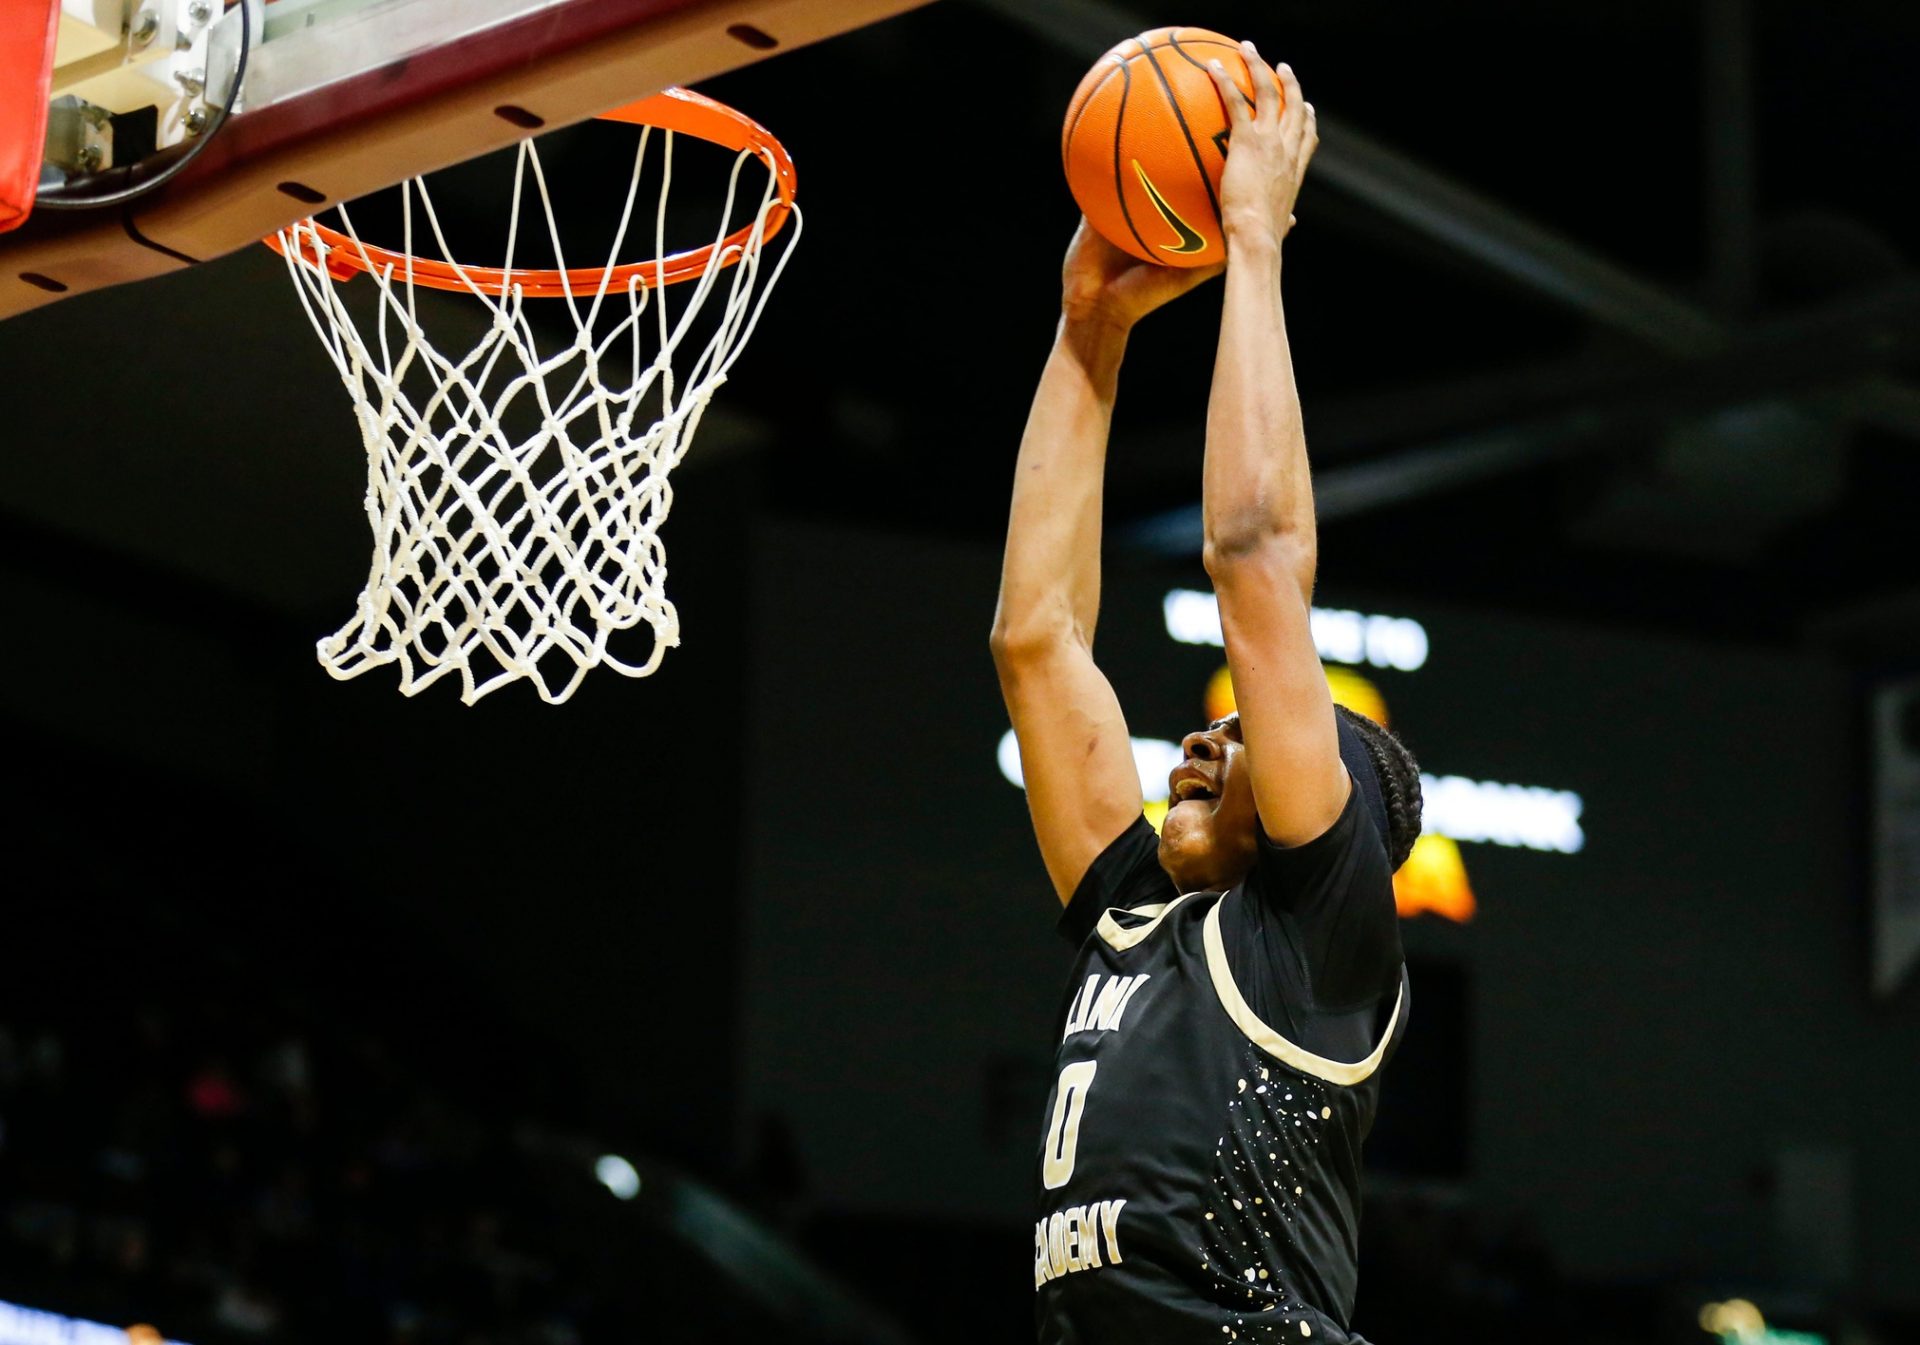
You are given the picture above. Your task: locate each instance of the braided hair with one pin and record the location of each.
(1399, 776)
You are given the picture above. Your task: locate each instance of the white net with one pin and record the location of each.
(516, 494)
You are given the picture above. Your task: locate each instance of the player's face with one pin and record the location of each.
(1208, 842)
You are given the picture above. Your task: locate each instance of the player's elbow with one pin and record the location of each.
(1028, 640)
(1006, 644)
(1258, 551)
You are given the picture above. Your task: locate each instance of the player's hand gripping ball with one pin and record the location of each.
(1145, 143)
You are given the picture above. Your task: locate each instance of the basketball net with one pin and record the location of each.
(498, 554)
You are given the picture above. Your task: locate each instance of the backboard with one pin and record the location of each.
(339, 98)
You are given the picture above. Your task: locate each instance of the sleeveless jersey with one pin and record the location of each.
(1199, 1175)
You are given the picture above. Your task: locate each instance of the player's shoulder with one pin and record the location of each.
(1348, 847)
(1126, 876)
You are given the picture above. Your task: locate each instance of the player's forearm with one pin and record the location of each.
(1257, 494)
(1050, 581)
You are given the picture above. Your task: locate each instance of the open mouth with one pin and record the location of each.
(1191, 787)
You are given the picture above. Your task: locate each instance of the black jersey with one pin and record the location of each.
(1218, 1069)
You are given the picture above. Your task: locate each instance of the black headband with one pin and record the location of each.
(1359, 763)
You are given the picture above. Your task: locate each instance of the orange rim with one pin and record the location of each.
(671, 110)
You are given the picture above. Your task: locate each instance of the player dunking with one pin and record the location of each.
(1239, 981)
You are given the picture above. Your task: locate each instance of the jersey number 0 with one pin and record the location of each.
(1063, 1135)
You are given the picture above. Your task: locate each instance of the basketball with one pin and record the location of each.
(1145, 141)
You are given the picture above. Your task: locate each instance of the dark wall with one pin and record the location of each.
(1675, 1068)
(1671, 1023)
(899, 971)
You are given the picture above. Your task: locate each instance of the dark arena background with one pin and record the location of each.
(715, 1007)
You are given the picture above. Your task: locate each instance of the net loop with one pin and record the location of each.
(516, 495)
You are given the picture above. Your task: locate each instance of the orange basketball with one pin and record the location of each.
(1145, 141)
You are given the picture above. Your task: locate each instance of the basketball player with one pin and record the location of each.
(1239, 980)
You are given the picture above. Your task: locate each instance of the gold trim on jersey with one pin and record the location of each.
(1331, 1071)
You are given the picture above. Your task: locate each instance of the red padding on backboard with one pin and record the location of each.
(29, 30)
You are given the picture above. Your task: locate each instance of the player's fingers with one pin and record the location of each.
(1293, 104)
(1266, 86)
(1179, 282)
(1078, 243)
(1238, 109)
(1200, 275)
(1303, 131)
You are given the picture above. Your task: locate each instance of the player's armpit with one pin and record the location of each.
(1075, 753)
(1286, 711)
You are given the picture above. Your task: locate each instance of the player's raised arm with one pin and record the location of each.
(1082, 788)
(1257, 497)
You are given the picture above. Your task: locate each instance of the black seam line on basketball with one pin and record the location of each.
(1174, 42)
(1119, 183)
(133, 232)
(1075, 124)
(1192, 148)
(1195, 61)
(1225, 133)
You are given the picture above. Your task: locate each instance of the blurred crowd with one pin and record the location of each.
(237, 1174)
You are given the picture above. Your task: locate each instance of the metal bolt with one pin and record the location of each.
(145, 25)
(90, 158)
(193, 81)
(196, 120)
(199, 11)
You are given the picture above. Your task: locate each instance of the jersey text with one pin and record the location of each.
(1069, 1240)
(1097, 1008)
